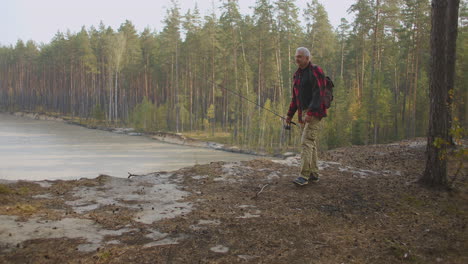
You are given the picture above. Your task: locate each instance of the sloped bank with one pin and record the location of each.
(367, 208)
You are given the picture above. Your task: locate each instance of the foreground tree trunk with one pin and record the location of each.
(452, 33)
(435, 173)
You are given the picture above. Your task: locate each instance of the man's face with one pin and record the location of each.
(301, 60)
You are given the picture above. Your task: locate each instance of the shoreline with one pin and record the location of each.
(246, 211)
(167, 137)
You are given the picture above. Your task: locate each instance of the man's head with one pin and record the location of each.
(302, 57)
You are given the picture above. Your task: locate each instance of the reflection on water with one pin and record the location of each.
(38, 150)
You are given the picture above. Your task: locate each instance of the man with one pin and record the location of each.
(307, 83)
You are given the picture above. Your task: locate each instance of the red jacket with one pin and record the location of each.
(307, 91)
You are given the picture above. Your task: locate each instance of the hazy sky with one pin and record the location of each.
(39, 20)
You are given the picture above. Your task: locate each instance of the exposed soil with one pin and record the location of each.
(366, 208)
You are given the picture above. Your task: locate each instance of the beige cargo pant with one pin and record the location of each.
(309, 138)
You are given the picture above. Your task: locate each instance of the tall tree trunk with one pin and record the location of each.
(435, 173)
(452, 32)
(373, 105)
(177, 87)
(115, 95)
(110, 93)
(213, 85)
(260, 73)
(190, 77)
(342, 59)
(415, 85)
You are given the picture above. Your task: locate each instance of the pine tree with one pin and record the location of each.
(442, 53)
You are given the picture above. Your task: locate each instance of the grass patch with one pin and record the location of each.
(453, 208)
(26, 208)
(4, 189)
(219, 137)
(414, 201)
(204, 170)
(23, 190)
(103, 256)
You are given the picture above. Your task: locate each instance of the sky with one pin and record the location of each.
(40, 20)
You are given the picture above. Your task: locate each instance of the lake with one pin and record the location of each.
(50, 150)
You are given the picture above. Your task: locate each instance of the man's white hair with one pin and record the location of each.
(303, 51)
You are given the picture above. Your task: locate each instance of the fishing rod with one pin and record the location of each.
(287, 126)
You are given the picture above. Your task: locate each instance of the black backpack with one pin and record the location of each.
(327, 91)
(327, 98)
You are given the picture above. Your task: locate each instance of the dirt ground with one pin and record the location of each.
(366, 208)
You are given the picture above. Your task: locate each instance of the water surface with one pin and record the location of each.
(39, 150)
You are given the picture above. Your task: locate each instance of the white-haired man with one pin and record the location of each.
(308, 82)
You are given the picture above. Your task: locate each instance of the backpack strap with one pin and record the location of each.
(314, 68)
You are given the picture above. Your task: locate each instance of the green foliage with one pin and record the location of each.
(461, 154)
(358, 133)
(4, 189)
(211, 112)
(320, 36)
(160, 118)
(337, 125)
(149, 80)
(98, 113)
(142, 115)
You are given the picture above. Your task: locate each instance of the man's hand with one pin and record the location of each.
(288, 120)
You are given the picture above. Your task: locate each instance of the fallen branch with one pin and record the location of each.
(134, 175)
(256, 195)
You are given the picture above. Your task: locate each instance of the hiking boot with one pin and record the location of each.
(314, 177)
(301, 181)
